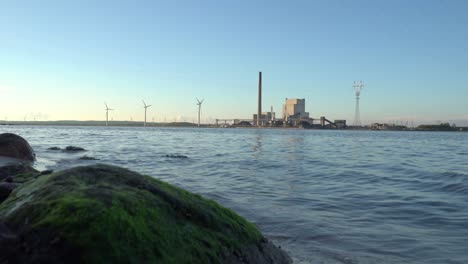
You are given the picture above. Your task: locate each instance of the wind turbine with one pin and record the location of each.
(146, 108)
(107, 114)
(199, 109)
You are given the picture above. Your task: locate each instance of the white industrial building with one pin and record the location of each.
(294, 108)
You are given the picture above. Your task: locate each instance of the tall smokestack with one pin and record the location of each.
(259, 112)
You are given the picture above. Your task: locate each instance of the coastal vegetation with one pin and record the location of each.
(440, 127)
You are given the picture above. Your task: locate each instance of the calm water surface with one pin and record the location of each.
(324, 196)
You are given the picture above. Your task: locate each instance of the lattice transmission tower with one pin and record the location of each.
(357, 116)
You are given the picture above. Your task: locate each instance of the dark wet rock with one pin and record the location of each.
(45, 172)
(54, 148)
(88, 158)
(14, 146)
(176, 156)
(26, 241)
(72, 148)
(263, 253)
(107, 214)
(68, 148)
(22, 178)
(9, 179)
(5, 189)
(8, 244)
(15, 169)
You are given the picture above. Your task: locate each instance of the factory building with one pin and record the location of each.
(256, 121)
(340, 124)
(294, 107)
(266, 118)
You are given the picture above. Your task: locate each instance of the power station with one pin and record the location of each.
(294, 114)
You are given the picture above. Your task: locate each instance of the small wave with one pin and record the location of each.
(455, 188)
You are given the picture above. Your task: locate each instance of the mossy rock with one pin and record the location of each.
(106, 214)
(21, 171)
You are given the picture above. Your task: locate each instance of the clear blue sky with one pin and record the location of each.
(63, 59)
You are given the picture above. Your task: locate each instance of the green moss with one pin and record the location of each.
(24, 177)
(112, 215)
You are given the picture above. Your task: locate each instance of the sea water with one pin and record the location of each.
(325, 196)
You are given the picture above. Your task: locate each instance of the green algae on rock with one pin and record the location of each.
(20, 171)
(107, 214)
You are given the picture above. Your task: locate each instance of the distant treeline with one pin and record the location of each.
(441, 127)
(100, 123)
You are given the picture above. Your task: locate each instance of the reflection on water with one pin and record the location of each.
(324, 196)
(257, 148)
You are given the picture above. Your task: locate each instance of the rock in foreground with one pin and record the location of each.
(15, 170)
(14, 146)
(106, 214)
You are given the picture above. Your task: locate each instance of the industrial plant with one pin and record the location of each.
(293, 115)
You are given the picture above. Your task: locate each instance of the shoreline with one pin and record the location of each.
(192, 125)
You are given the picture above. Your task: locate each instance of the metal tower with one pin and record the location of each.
(357, 116)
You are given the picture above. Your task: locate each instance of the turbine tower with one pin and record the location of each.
(146, 108)
(357, 116)
(199, 103)
(107, 114)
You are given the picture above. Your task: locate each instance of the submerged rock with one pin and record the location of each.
(176, 156)
(73, 148)
(14, 146)
(87, 158)
(54, 148)
(107, 214)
